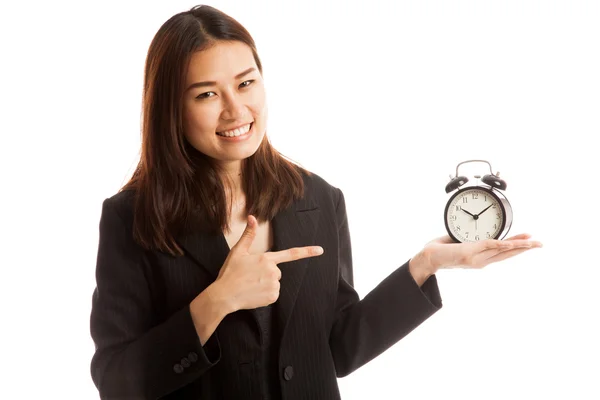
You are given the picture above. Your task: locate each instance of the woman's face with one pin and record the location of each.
(224, 91)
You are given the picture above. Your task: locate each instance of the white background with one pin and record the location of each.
(382, 99)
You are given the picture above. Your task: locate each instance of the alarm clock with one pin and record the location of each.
(478, 210)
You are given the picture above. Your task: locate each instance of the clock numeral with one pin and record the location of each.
(484, 198)
(457, 227)
(487, 234)
(466, 234)
(497, 215)
(495, 226)
(458, 208)
(475, 196)
(465, 199)
(476, 237)
(494, 206)
(453, 218)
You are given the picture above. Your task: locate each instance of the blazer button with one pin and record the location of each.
(193, 357)
(178, 368)
(185, 362)
(288, 373)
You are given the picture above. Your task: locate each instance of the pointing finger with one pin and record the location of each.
(295, 253)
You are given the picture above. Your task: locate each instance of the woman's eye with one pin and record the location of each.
(243, 85)
(204, 95)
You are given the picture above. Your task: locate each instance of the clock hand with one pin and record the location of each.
(484, 210)
(474, 216)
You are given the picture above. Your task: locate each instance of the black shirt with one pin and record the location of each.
(270, 356)
(269, 362)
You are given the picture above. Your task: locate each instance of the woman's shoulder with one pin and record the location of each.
(122, 203)
(320, 188)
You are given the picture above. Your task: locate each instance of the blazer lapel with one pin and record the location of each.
(294, 227)
(208, 250)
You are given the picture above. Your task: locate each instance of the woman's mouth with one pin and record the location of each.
(241, 131)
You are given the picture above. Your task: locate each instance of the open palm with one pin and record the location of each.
(444, 253)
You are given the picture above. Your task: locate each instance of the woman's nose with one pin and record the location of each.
(233, 109)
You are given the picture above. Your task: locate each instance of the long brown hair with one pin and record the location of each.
(177, 188)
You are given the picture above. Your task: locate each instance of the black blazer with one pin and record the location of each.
(146, 343)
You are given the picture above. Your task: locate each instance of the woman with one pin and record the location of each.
(224, 271)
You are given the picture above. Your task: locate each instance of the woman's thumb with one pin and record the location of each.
(247, 236)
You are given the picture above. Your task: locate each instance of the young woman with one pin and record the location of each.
(224, 271)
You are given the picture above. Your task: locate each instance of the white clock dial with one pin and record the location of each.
(473, 215)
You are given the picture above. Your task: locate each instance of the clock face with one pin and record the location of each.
(474, 214)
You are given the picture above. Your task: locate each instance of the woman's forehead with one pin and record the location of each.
(222, 61)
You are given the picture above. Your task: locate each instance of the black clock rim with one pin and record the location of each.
(489, 191)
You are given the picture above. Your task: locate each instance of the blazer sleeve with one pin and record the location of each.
(136, 358)
(363, 329)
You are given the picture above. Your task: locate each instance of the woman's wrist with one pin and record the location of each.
(208, 309)
(421, 268)
(219, 299)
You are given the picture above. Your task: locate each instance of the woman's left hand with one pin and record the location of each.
(443, 253)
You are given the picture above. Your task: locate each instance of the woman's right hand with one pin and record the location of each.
(248, 281)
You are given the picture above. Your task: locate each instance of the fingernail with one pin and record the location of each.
(318, 250)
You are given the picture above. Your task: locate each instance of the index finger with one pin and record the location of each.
(295, 253)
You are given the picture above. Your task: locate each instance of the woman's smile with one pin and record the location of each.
(238, 134)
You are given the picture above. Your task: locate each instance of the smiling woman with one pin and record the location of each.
(204, 116)
(224, 271)
(206, 164)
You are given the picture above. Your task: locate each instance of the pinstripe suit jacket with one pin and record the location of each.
(146, 343)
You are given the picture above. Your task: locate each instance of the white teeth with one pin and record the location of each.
(236, 132)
